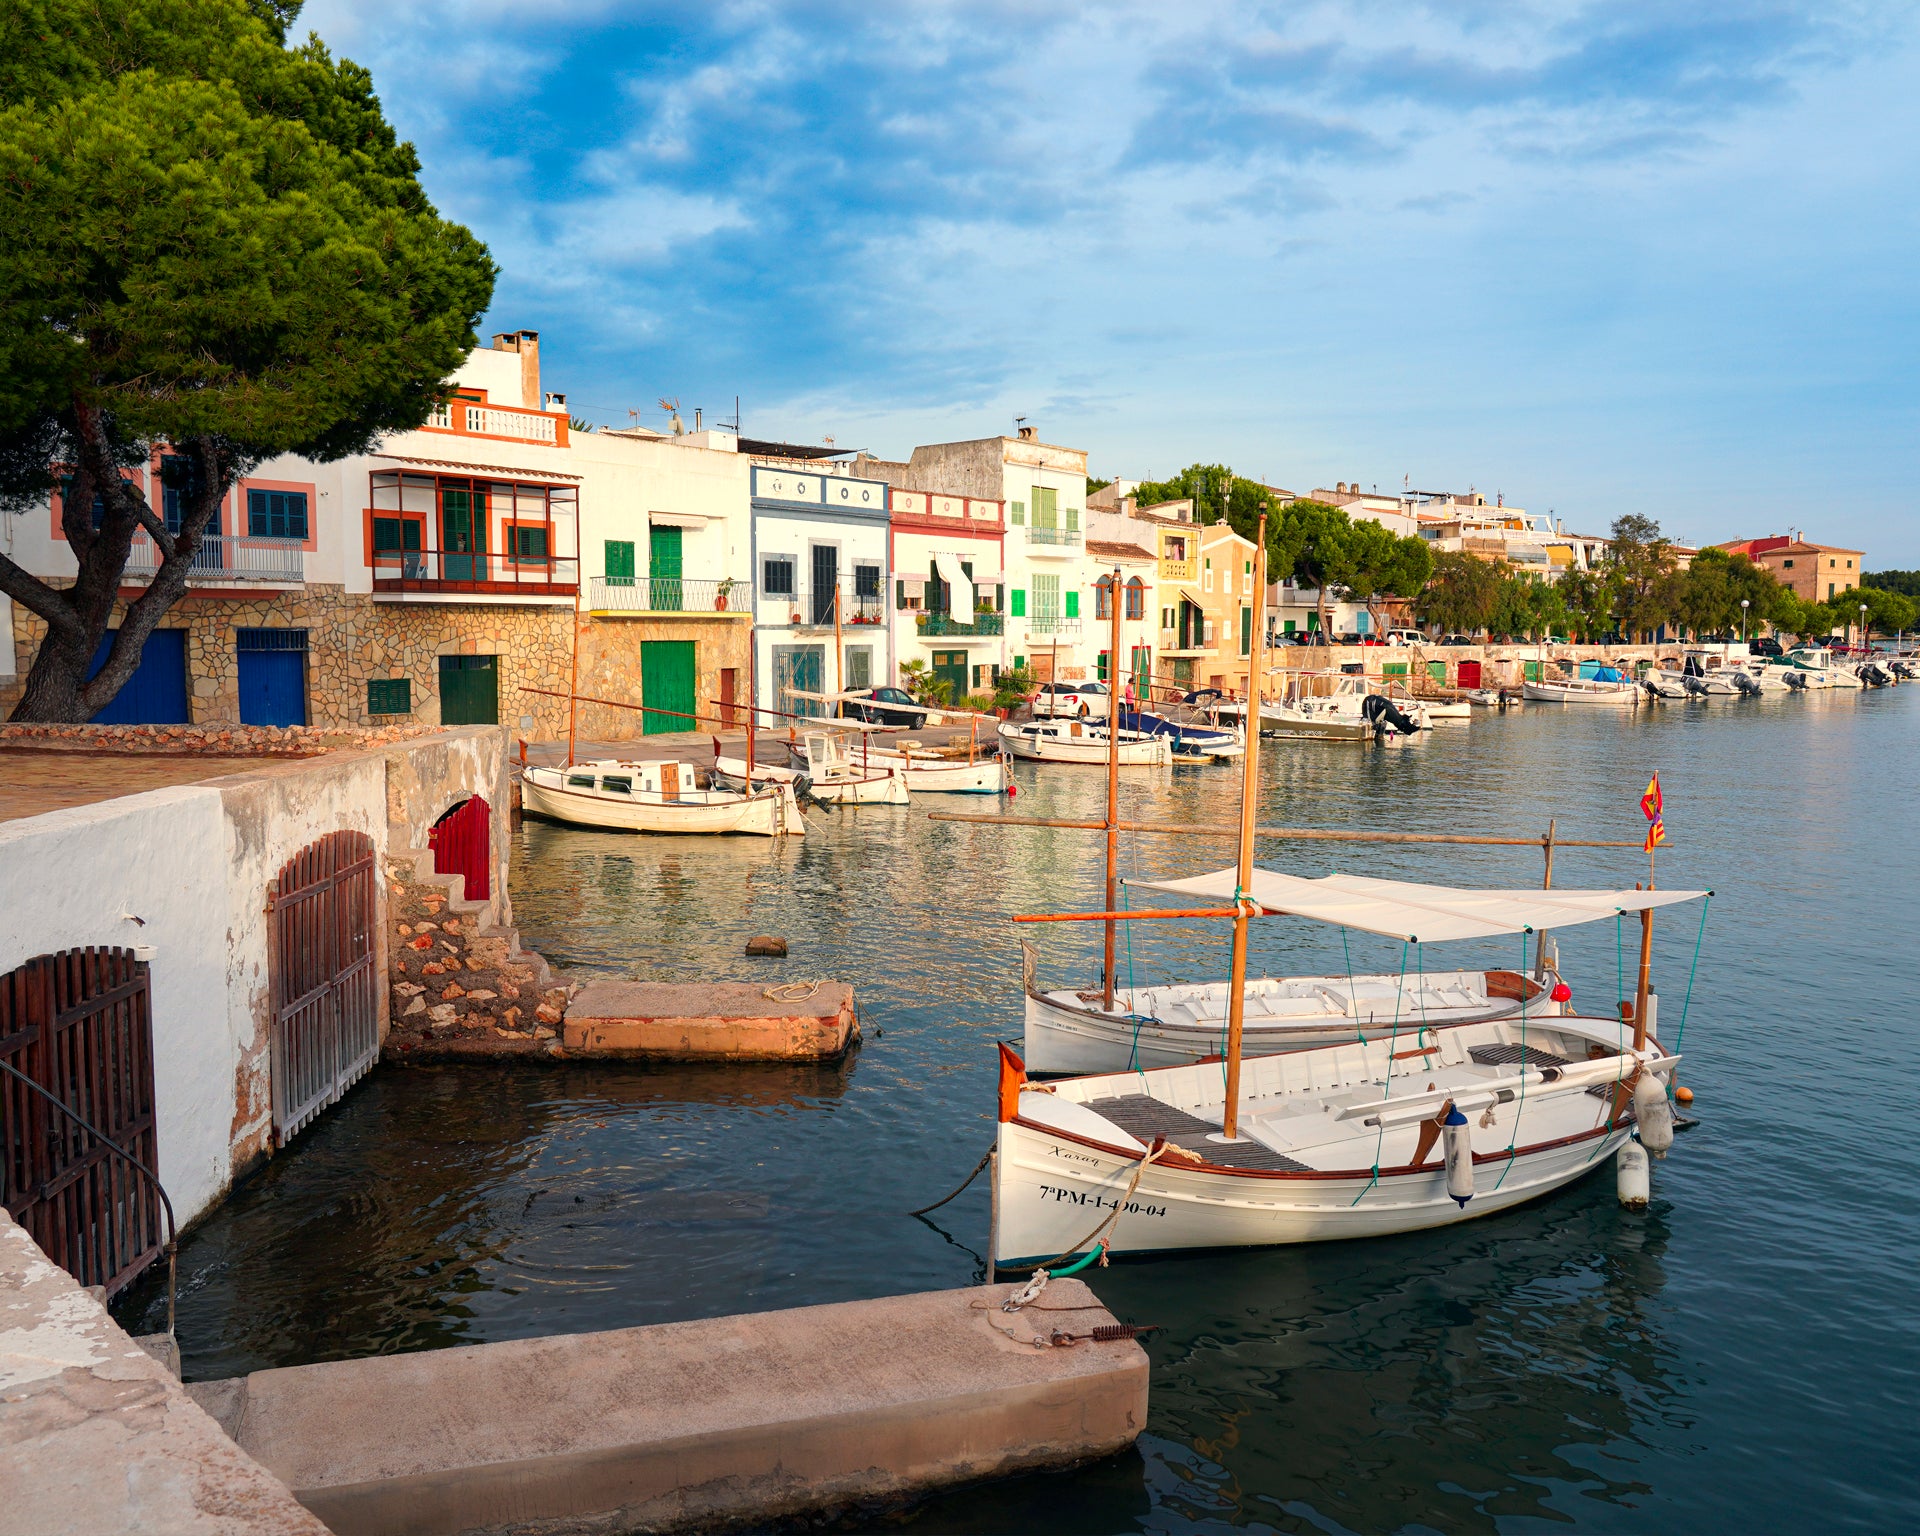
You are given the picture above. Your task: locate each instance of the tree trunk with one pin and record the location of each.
(59, 670)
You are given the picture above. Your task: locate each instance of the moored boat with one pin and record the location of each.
(657, 796)
(1081, 741)
(1607, 687)
(831, 774)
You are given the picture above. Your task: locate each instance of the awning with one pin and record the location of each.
(678, 519)
(1420, 914)
(1188, 597)
(961, 600)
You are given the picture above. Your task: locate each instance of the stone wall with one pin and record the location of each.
(353, 640)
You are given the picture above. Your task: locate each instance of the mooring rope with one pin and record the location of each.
(1520, 1108)
(985, 1158)
(1386, 1078)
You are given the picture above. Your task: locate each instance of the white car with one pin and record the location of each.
(1083, 700)
(1406, 637)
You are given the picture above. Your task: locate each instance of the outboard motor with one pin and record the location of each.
(1872, 676)
(803, 789)
(1693, 684)
(1381, 712)
(1796, 679)
(1746, 684)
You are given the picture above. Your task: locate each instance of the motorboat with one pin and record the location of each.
(658, 796)
(1702, 674)
(831, 773)
(1082, 741)
(1192, 726)
(1422, 1124)
(1338, 706)
(1817, 667)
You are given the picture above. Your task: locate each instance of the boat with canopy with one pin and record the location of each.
(657, 796)
(1084, 741)
(831, 774)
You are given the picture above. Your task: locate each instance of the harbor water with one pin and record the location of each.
(1731, 1358)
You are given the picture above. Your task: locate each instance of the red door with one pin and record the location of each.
(462, 843)
(1469, 674)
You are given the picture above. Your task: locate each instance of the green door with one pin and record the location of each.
(663, 571)
(469, 690)
(667, 672)
(463, 535)
(952, 665)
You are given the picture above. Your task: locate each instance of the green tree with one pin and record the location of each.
(1888, 612)
(1460, 592)
(1218, 496)
(1907, 583)
(1590, 598)
(215, 243)
(1642, 564)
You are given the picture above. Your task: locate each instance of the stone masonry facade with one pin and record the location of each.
(353, 640)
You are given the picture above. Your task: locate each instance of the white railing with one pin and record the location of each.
(669, 594)
(494, 422)
(227, 557)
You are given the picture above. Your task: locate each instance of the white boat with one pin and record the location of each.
(1422, 1125)
(656, 796)
(1702, 674)
(1815, 667)
(1445, 709)
(1081, 741)
(1495, 698)
(1194, 727)
(830, 775)
(953, 770)
(1069, 1030)
(1339, 706)
(1619, 694)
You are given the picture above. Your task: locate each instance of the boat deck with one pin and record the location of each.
(1146, 1118)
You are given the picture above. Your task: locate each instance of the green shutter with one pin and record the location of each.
(1246, 631)
(1019, 602)
(1073, 519)
(389, 696)
(1017, 515)
(1073, 605)
(469, 690)
(619, 562)
(663, 570)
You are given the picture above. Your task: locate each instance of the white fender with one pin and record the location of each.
(1456, 1137)
(1634, 1175)
(1653, 1114)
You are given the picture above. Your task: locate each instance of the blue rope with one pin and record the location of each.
(1687, 1001)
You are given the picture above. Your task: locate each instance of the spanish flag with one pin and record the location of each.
(1656, 835)
(1650, 801)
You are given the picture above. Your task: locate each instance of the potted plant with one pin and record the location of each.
(720, 594)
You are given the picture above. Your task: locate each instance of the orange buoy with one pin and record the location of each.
(1683, 1095)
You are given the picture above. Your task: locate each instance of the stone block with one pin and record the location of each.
(724, 1021)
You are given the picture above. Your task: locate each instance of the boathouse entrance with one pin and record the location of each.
(326, 1015)
(80, 1025)
(462, 843)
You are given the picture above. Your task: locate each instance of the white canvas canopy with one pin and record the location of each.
(1420, 914)
(961, 601)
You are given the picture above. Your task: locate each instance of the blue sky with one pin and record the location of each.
(1633, 257)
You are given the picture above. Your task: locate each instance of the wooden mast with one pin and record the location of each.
(573, 676)
(839, 655)
(1249, 814)
(1113, 778)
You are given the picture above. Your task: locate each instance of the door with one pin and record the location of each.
(273, 676)
(801, 667)
(79, 1025)
(462, 844)
(667, 672)
(1469, 674)
(729, 696)
(1142, 673)
(826, 576)
(663, 571)
(952, 665)
(469, 690)
(156, 694)
(859, 666)
(326, 1010)
(463, 534)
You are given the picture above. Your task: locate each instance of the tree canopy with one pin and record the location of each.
(215, 243)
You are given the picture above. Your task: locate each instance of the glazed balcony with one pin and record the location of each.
(473, 573)
(1054, 541)
(235, 558)
(636, 595)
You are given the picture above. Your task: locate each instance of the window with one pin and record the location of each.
(1019, 604)
(277, 514)
(1246, 631)
(1166, 618)
(1176, 548)
(1832, 563)
(99, 501)
(866, 583)
(1046, 507)
(1136, 599)
(777, 572)
(619, 562)
(1073, 519)
(939, 593)
(180, 487)
(1829, 591)
(1046, 597)
(1073, 605)
(1789, 564)
(859, 666)
(389, 696)
(527, 543)
(1103, 599)
(1017, 513)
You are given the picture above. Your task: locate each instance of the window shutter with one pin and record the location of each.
(1018, 515)
(1073, 519)
(1073, 605)
(619, 562)
(1019, 599)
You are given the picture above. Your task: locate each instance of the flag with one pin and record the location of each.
(1656, 834)
(1650, 801)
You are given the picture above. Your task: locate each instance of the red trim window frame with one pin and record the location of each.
(305, 488)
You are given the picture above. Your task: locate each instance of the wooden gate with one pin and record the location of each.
(462, 843)
(79, 1024)
(326, 1016)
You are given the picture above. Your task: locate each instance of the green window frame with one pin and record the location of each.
(527, 543)
(1017, 515)
(277, 514)
(1046, 507)
(1246, 630)
(1073, 519)
(389, 696)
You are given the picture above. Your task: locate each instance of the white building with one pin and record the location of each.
(946, 554)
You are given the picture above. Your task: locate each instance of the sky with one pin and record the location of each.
(1652, 258)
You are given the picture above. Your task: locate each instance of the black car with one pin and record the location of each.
(870, 711)
(1765, 645)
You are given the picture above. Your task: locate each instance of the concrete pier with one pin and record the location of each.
(684, 1425)
(710, 1021)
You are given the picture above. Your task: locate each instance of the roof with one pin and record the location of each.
(1110, 551)
(771, 450)
(505, 472)
(1418, 914)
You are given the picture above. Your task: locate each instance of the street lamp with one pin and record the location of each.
(1863, 626)
(1743, 619)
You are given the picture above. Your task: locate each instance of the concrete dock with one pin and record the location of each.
(698, 1424)
(711, 1021)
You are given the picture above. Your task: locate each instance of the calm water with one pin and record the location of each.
(1734, 1357)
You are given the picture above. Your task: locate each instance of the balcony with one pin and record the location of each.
(1052, 624)
(669, 594)
(473, 573)
(1064, 540)
(228, 557)
(814, 610)
(939, 625)
(514, 423)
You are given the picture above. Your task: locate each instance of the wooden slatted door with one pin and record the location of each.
(462, 843)
(326, 1017)
(80, 1024)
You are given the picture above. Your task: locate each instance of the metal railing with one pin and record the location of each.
(1052, 624)
(1052, 535)
(814, 610)
(227, 557)
(669, 594)
(952, 624)
(476, 571)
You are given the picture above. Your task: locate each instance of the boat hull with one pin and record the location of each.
(877, 787)
(1616, 696)
(769, 813)
(1155, 751)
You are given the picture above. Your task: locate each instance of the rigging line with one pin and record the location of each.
(1520, 1108)
(1386, 1078)
(1687, 1001)
(1353, 997)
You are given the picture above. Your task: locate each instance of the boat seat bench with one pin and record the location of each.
(1145, 1117)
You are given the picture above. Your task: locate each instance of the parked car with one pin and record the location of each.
(1086, 700)
(1405, 637)
(1766, 645)
(870, 706)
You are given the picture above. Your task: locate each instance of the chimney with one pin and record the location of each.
(696, 418)
(555, 402)
(1029, 434)
(527, 344)
(1340, 487)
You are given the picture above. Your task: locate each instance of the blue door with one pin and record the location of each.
(156, 694)
(273, 676)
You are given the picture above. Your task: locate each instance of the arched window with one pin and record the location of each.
(1136, 598)
(1103, 598)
